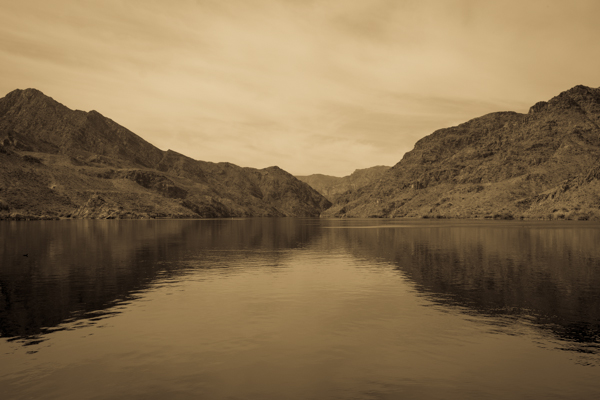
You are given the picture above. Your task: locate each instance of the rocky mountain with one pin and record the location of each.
(543, 164)
(330, 186)
(56, 162)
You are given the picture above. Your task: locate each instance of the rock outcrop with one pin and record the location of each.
(501, 165)
(57, 163)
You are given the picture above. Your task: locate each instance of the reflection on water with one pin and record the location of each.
(547, 274)
(299, 309)
(56, 271)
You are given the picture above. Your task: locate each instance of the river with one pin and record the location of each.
(285, 308)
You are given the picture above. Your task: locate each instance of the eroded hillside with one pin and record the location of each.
(502, 165)
(56, 162)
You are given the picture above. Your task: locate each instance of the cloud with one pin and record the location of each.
(311, 86)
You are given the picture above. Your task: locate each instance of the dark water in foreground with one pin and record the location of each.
(299, 309)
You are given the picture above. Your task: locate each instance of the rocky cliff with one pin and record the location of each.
(56, 162)
(543, 164)
(331, 186)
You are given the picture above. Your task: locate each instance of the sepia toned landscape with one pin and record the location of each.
(541, 165)
(299, 200)
(505, 165)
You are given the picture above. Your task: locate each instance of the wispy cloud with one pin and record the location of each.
(311, 86)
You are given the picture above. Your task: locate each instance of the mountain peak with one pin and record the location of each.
(497, 164)
(29, 93)
(579, 89)
(579, 97)
(27, 96)
(106, 171)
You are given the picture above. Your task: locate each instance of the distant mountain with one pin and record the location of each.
(543, 164)
(330, 186)
(56, 162)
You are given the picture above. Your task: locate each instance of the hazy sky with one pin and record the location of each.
(311, 86)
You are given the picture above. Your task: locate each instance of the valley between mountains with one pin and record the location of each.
(61, 163)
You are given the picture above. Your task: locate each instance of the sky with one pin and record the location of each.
(324, 86)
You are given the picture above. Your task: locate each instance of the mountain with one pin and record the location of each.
(57, 162)
(330, 186)
(543, 164)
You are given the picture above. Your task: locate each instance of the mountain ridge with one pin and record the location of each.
(57, 163)
(63, 163)
(495, 165)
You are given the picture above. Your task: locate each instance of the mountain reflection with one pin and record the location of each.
(546, 275)
(52, 272)
(74, 272)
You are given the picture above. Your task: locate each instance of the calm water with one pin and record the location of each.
(299, 309)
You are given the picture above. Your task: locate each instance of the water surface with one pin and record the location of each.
(299, 309)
